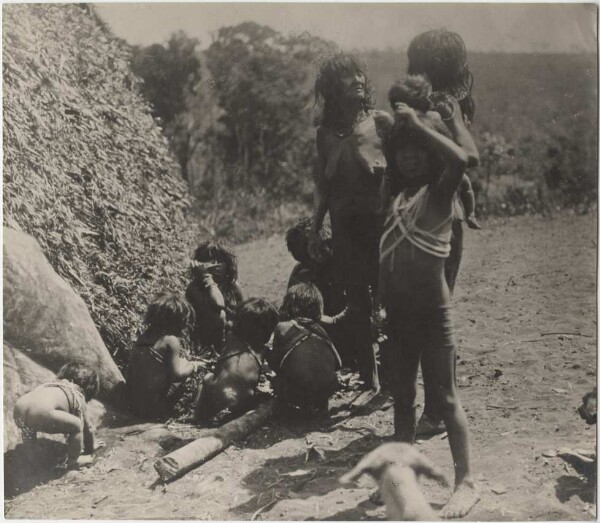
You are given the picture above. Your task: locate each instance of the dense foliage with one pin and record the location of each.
(168, 73)
(87, 171)
(249, 126)
(249, 136)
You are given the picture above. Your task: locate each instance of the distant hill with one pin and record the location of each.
(516, 94)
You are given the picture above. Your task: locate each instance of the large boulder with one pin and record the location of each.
(45, 319)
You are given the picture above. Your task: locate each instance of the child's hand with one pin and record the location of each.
(406, 115)
(207, 279)
(99, 444)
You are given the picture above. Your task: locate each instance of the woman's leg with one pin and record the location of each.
(438, 362)
(453, 261)
(359, 324)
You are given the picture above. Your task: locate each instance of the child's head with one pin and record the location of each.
(302, 301)
(335, 82)
(416, 164)
(441, 55)
(255, 321)
(413, 90)
(83, 376)
(213, 251)
(170, 314)
(297, 237)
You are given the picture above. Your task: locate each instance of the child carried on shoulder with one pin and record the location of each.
(434, 108)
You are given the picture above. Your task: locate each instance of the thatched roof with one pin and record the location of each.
(87, 170)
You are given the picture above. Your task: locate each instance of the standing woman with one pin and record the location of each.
(441, 56)
(348, 176)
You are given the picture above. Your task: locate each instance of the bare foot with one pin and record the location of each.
(465, 497)
(85, 460)
(429, 427)
(472, 222)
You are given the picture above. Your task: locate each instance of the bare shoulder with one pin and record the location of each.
(282, 327)
(170, 344)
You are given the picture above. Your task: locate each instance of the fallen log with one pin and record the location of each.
(184, 459)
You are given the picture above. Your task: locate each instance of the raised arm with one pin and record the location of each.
(321, 196)
(455, 158)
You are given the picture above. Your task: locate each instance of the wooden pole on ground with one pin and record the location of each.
(197, 452)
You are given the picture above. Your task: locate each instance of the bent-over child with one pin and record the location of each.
(303, 356)
(156, 370)
(233, 383)
(213, 293)
(59, 407)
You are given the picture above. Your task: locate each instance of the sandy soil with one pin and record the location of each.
(526, 326)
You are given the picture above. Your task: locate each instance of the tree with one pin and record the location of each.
(169, 74)
(262, 84)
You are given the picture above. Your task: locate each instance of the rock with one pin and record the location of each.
(45, 320)
(45, 326)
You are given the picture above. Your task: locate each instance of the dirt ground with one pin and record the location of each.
(525, 309)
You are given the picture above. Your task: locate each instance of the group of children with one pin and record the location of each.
(396, 191)
(248, 337)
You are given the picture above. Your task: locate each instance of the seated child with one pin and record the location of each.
(303, 355)
(233, 383)
(321, 273)
(415, 91)
(213, 293)
(156, 370)
(59, 407)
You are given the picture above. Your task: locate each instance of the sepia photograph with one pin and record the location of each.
(300, 261)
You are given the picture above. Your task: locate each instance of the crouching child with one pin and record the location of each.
(233, 383)
(213, 293)
(156, 370)
(60, 407)
(303, 355)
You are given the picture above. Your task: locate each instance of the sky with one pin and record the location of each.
(484, 27)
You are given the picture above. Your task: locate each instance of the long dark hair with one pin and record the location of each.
(170, 314)
(255, 321)
(303, 300)
(441, 55)
(328, 86)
